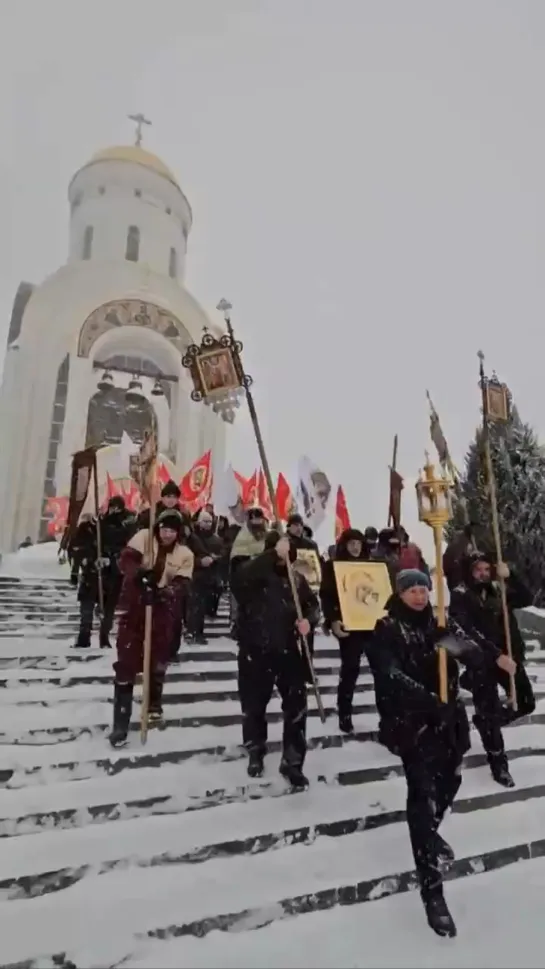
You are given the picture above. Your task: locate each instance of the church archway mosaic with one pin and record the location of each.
(130, 312)
(112, 411)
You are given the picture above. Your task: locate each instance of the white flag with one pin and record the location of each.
(313, 492)
(226, 496)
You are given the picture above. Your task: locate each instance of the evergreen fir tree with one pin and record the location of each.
(519, 468)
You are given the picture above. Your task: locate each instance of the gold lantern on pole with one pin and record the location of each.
(433, 494)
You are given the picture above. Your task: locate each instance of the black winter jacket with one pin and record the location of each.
(404, 661)
(267, 616)
(479, 613)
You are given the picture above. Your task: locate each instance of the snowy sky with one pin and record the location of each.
(367, 185)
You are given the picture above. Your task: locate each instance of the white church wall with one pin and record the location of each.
(111, 196)
(111, 220)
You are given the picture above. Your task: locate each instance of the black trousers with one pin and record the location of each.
(258, 674)
(197, 607)
(434, 773)
(490, 714)
(351, 649)
(87, 600)
(181, 619)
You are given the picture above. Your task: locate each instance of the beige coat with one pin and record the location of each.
(178, 563)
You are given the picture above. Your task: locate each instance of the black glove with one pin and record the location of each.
(439, 714)
(146, 578)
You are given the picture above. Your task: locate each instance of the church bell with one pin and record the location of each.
(157, 389)
(134, 390)
(106, 381)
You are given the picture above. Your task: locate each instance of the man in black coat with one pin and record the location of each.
(351, 547)
(431, 737)
(208, 551)
(116, 528)
(298, 534)
(270, 654)
(475, 604)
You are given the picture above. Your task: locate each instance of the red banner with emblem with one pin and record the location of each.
(196, 485)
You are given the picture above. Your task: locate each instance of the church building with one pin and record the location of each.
(96, 349)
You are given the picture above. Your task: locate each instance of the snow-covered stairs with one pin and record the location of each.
(102, 853)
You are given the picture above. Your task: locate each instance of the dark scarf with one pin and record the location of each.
(420, 621)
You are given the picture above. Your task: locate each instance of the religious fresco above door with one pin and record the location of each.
(129, 312)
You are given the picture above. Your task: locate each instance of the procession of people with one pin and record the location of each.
(195, 561)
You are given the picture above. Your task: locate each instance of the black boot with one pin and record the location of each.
(500, 770)
(445, 854)
(438, 915)
(294, 775)
(82, 642)
(345, 723)
(122, 714)
(255, 764)
(105, 641)
(155, 713)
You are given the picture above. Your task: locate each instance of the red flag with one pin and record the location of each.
(241, 481)
(58, 509)
(284, 499)
(133, 498)
(196, 485)
(112, 491)
(249, 491)
(342, 518)
(163, 475)
(263, 497)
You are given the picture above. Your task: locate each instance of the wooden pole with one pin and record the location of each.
(496, 531)
(272, 498)
(99, 537)
(393, 467)
(501, 581)
(148, 622)
(441, 610)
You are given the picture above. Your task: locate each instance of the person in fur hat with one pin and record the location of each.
(431, 737)
(270, 654)
(475, 603)
(351, 547)
(158, 582)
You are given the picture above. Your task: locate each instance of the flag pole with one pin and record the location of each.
(99, 536)
(393, 468)
(274, 505)
(222, 358)
(147, 466)
(501, 414)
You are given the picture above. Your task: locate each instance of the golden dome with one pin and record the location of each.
(136, 155)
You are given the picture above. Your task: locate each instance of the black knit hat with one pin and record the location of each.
(295, 519)
(409, 578)
(170, 518)
(170, 490)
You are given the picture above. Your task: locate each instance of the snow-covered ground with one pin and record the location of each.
(169, 855)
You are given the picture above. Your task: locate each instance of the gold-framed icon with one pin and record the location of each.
(364, 589)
